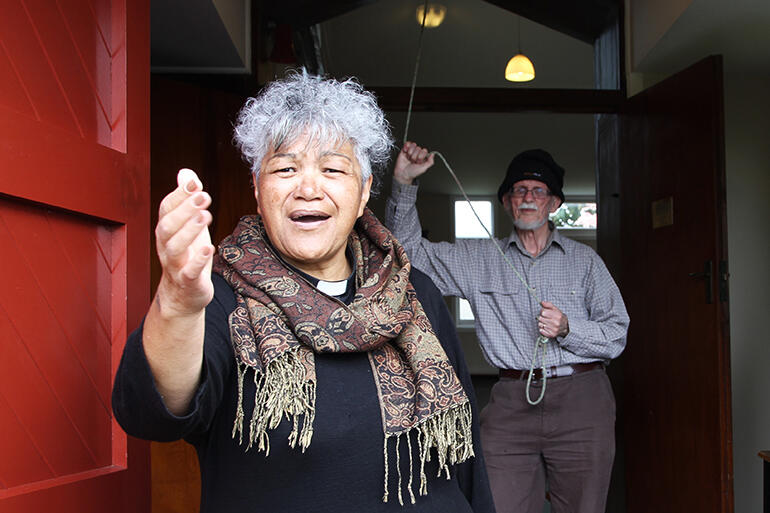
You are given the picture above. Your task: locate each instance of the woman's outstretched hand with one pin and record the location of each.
(175, 325)
(184, 247)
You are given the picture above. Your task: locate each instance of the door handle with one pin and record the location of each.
(707, 273)
(724, 276)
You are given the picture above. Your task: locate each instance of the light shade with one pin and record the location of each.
(434, 16)
(519, 69)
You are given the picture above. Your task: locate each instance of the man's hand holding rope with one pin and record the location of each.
(412, 161)
(552, 322)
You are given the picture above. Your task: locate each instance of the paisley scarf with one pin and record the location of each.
(281, 321)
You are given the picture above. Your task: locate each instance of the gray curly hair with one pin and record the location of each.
(321, 108)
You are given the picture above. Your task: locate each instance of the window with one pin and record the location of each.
(467, 226)
(463, 314)
(575, 215)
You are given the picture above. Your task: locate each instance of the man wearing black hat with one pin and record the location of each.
(568, 437)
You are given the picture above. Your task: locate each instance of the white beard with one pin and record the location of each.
(529, 225)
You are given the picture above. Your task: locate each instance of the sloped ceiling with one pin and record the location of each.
(584, 20)
(739, 30)
(193, 34)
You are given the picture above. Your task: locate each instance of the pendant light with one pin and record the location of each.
(519, 68)
(433, 14)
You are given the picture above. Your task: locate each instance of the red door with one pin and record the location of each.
(74, 249)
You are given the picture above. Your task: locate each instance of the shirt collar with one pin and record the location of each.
(554, 237)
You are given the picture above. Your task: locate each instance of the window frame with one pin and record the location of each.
(581, 234)
(465, 324)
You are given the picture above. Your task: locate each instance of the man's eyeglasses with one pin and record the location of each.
(537, 192)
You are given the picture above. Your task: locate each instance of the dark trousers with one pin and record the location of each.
(569, 438)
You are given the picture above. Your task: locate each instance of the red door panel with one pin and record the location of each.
(70, 377)
(58, 69)
(74, 249)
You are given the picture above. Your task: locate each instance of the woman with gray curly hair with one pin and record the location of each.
(306, 324)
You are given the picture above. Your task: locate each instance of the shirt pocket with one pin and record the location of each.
(501, 297)
(571, 300)
(504, 287)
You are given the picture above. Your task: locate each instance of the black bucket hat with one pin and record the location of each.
(534, 165)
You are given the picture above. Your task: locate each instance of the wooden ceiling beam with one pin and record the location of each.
(469, 99)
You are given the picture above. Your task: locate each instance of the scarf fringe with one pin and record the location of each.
(449, 432)
(281, 391)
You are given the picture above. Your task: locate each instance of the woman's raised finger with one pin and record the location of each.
(198, 263)
(187, 241)
(188, 184)
(185, 217)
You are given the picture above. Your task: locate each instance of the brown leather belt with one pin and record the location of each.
(551, 372)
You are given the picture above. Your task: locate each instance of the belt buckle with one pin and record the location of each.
(534, 374)
(560, 371)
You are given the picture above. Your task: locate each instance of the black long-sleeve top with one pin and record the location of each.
(341, 471)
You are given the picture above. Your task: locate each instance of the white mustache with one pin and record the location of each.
(528, 206)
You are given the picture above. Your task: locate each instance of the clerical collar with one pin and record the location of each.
(344, 290)
(333, 288)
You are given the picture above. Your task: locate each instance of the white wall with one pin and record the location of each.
(650, 20)
(747, 134)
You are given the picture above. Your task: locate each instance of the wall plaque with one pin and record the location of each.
(663, 212)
